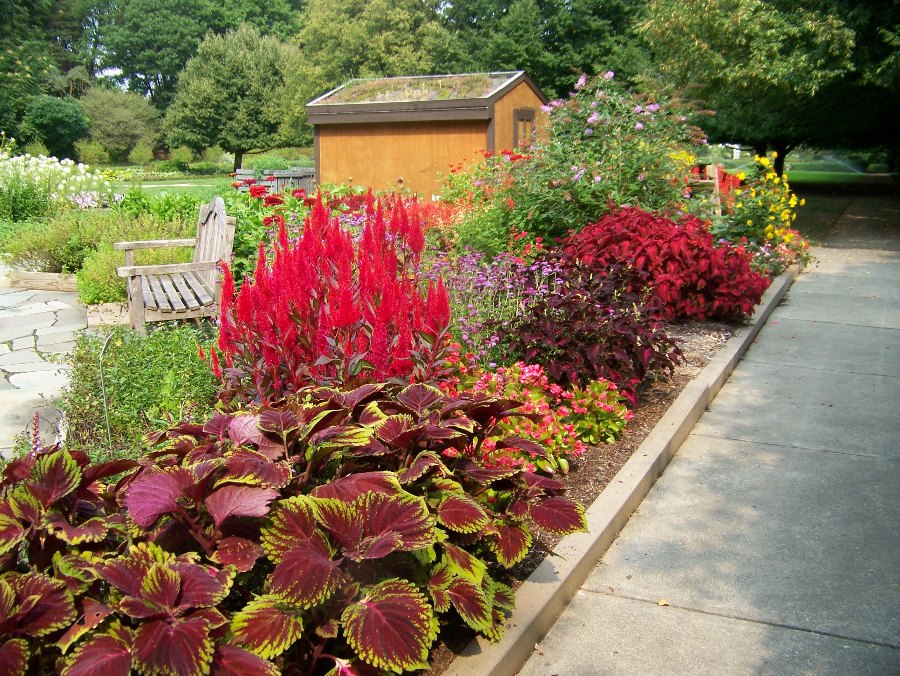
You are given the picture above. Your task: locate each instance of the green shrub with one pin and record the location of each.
(170, 167)
(57, 122)
(59, 244)
(216, 155)
(181, 154)
(141, 155)
(37, 148)
(270, 163)
(209, 168)
(91, 152)
(149, 381)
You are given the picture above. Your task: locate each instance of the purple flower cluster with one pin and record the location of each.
(486, 294)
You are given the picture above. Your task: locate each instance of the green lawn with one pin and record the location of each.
(201, 187)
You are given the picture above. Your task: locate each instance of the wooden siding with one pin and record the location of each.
(376, 155)
(522, 96)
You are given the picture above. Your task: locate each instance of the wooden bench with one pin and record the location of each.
(180, 290)
(709, 180)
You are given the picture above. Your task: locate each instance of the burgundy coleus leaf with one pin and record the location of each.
(524, 445)
(229, 660)
(404, 521)
(510, 544)
(342, 519)
(350, 487)
(558, 515)
(218, 425)
(154, 494)
(485, 475)
(461, 513)
(42, 605)
(23, 504)
(419, 397)
(542, 482)
(307, 575)
(238, 552)
(438, 583)
(14, 657)
(250, 467)
(54, 476)
(504, 596)
(201, 586)
(425, 462)
(266, 626)
(352, 399)
(108, 654)
(157, 596)
(471, 603)
(180, 647)
(92, 530)
(337, 436)
(18, 469)
(239, 501)
(104, 470)
(398, 430)
(488, 410)
(94, 614)
(391, 627)
(126, 572)
(291, 521)
(11, 532)
(281, 422)
(244, 429)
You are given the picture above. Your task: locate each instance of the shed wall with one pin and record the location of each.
(377, 154)
(522, 96)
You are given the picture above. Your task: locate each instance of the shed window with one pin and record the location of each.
(523, 127)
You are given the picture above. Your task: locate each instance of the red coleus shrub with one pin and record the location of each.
(329, 310)
(331, 530)
(692, 275)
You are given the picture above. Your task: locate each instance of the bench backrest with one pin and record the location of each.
(215, 237)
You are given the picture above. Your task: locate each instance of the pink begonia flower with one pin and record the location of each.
(639, 126)
(581, 82)
(608, 75)
(653, 107)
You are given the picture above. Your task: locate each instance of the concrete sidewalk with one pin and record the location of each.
(772, 542)
(34, 326)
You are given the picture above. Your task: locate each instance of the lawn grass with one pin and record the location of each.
(201, 187)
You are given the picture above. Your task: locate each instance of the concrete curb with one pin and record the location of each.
(543, 596)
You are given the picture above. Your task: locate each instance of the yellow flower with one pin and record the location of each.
(749, 221)
(741, 175)
(774, 154)
(802, 202)
(764, 161)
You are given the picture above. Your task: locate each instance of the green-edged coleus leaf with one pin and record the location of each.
(13, 657)
(558, 515)
(94, 614)
(398, 430)
(419, 397)
(229, 660)
(307, 575)
(75, 570)
(290, 522)
(266, 626)
(504, 596)
(375, 525)
(92, 530)
(245, 466)
(239, 501)
(42, 605)
(108, 654)
(278, 421)
(350, 487)
(371, 414)
(425, 462)
(182, 647)
(158, 593)
(340, 436)
(351, 399)
(24, 505)
(238, 552)
(472, 604)
(391, 627)
(55, 476)
(510, 544)
(154, 494)
(543, 483)
(126, 572)
(464, 564)
(522, 444)
(438, 583)
(11, 532)
(461, 513)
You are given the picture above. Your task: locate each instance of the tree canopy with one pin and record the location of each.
(231, 94)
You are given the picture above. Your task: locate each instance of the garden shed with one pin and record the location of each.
(388, 132)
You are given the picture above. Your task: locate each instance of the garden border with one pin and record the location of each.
(543, 596)
(38, 281)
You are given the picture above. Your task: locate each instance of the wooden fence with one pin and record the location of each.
(279, 180)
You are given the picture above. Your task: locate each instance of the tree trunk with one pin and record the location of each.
(238, 159)
(782, 148)
(760, 149)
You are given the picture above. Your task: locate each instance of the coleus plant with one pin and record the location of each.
(332, 527)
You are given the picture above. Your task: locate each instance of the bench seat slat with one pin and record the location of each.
(172, 294)
(185, 292)
(160, 302)
(199, 288)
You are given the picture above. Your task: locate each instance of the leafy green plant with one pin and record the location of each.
(144, 382)
(91, 152)
(140, 155)
(36, 148)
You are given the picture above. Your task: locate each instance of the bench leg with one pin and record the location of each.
(136, 305)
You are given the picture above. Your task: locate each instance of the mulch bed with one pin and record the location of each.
(700, 341)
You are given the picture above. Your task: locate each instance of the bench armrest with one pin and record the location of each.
(138, 270)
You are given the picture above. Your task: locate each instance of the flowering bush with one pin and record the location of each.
(686, 271)
(333, 530)
(32, 187)
(562, 421)
(604, 145)
(762, 209)
(593, 326)
(330, 310)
